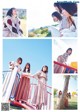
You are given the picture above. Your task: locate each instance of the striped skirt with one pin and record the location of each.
(23, 89)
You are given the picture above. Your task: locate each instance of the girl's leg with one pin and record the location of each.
(37, 107)
(40, 106)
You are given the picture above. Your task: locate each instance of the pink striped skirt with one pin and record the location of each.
(23, 89)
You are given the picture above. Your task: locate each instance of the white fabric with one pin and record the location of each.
(66, 32)
(7, 32)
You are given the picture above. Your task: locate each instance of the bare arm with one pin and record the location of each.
(36, 75)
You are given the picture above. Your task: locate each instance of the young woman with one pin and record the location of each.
(24, 85)
(11, 24)
(12, 65)
(62, 59)
(69, 10)
(40, 93)
(27, 68)
(64, 22)
(56, 16)
(65, 99)
(17, 78)
(59, 96)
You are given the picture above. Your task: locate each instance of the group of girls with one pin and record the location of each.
(21, 87)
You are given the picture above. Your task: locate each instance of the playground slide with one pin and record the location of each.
(22, 105)
(6, 82)
(11, 80)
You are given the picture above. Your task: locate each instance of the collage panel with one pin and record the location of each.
(65, 92)
(41, 14)
(14, 22)
(65, 17)
(55, 19)
(27, 74)
(65, 59)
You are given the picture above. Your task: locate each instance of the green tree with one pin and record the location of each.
(55, 92)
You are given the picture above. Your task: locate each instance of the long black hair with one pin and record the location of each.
(9, 13)
(24, 70)
(71, 8)
(46, 69)
(58, 6)
(56, 14)
(69, 49)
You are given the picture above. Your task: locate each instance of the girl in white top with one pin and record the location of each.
(27, 68)
(69, 10)
(12, 64)
(17, 78)
(62, 20)
(8, 77)
(68, 24)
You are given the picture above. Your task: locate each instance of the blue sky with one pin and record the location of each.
(37, 52)
(73, 84)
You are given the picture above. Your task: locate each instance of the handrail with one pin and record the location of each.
(25, 75)
(32, 90)
(47, 91)
(66, 66)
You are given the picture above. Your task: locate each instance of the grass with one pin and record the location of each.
(15, 108)
(72, 103)
(40, 32)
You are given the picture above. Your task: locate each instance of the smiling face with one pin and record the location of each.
(20, 62)
(69, 52)
(55, 19)
(27, 66)
(45, 69)
(14, 12)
